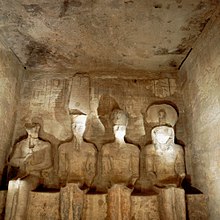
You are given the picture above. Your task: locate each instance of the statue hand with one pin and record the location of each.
(27, 159)
(180, 178)
(151, 176)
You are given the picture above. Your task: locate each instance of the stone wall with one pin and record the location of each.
(47, 97)
(201, 89)
(10, 80)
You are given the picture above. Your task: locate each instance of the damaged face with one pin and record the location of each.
(119, 131)
(79, 124)
(162, 134)
(32, 130)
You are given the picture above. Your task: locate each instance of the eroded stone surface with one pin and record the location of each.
(197, 207)
(172, 204)
(200, 77)
(80, 94)
(71, 202)
(145, 207)
(95, 206)
(43, 205)
(119, 202)
(86, 35)
(10, 81)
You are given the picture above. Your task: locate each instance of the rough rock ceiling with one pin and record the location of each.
(90, 34)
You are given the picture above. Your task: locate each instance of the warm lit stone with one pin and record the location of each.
(113, 63)
(196, 205)
(43, 205)
(145, 207)
(95, 206)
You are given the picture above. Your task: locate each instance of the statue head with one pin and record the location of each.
(162, 135)
(32, 129)
(162, 116)
(120, 121)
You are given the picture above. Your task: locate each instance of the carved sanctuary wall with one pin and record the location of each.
(91, 147)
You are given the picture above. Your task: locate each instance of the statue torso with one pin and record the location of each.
(79, 161)
(119, 161)
(163, 160)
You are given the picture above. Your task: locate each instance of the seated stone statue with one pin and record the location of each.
(164, 160)
(120, 160)
(77, 158)
(120, 169)
(77, 168)
(31, 156)
(163, 163)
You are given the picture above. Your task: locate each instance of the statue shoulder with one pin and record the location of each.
(178, 148)
(106, 148)
(90, 148)
(21, 143)
(44, 144)
(65, 146)
(148, 149)
(134, 148)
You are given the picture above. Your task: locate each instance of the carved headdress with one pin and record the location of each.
(30, 126)
(77, 116)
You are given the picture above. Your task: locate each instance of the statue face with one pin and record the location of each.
(33, 131)
(78, 128)
(119, 131)
(162, 134)
(79, 125)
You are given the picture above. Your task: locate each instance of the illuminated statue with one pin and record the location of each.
(164, 160)
(77, 168)
(120, 168)
(31, 156)
(163, 163)
(120, 160)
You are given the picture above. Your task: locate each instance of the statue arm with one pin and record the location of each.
(149, 161)
(106, 164)
(17, 160)
(134, 167)
(47, 161)
(62, 170)
(180, 165)
(149, 164)
(91, 164)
